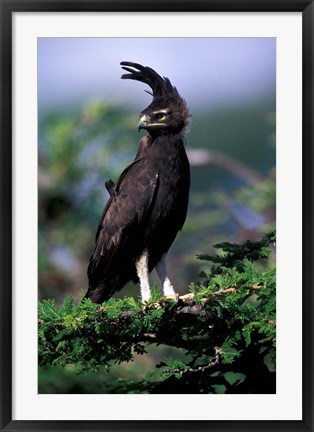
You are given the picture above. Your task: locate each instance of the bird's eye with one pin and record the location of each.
(162, 116)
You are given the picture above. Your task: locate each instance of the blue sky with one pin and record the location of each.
(209, 72)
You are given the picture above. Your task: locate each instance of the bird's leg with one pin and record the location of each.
(142, 273)
(161, 268)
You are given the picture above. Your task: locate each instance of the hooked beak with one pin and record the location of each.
(142, 124)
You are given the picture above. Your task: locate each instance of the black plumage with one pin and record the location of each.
(148, 204)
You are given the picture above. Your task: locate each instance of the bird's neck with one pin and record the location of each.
(170, 135)
(150, 140)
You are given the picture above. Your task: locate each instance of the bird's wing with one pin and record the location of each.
(110, 186)
(125, 213)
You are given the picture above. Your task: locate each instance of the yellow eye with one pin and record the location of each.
(162, 117)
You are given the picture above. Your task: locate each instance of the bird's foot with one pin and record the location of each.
(188, 298)
(174, 297)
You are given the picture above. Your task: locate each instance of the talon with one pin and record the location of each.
(155, 306)
(174, 297)
(188, 298)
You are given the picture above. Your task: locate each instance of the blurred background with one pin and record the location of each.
(87, 131)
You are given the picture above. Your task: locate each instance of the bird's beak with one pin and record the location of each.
(142, 124)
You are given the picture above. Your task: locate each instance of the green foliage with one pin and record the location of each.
(78, 152)
(236, 257)
(225, 330)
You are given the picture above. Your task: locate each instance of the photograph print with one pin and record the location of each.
(156, 215)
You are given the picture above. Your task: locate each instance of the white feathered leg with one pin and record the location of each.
(161, 268)
(142, 273)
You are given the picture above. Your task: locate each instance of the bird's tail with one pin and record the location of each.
(99, 294)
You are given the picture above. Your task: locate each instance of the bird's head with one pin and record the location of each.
(168, 113)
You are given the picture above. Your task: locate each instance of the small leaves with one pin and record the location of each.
(235, 255)
(228, 351)
(219, 326)
(174, 368)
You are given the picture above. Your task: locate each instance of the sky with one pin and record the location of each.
(209, 73)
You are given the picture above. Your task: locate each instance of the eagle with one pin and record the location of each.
(147, 205)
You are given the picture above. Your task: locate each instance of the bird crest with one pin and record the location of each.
(163, 91)
(161, 86)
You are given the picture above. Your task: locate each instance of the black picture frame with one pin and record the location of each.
(7, 8)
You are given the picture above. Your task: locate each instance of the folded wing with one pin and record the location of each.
(121, 230)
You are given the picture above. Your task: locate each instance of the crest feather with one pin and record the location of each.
(161, 86)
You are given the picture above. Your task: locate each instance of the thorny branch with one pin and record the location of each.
(199, 369)
(189, 299)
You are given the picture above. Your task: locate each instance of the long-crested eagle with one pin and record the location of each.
(148, 203)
